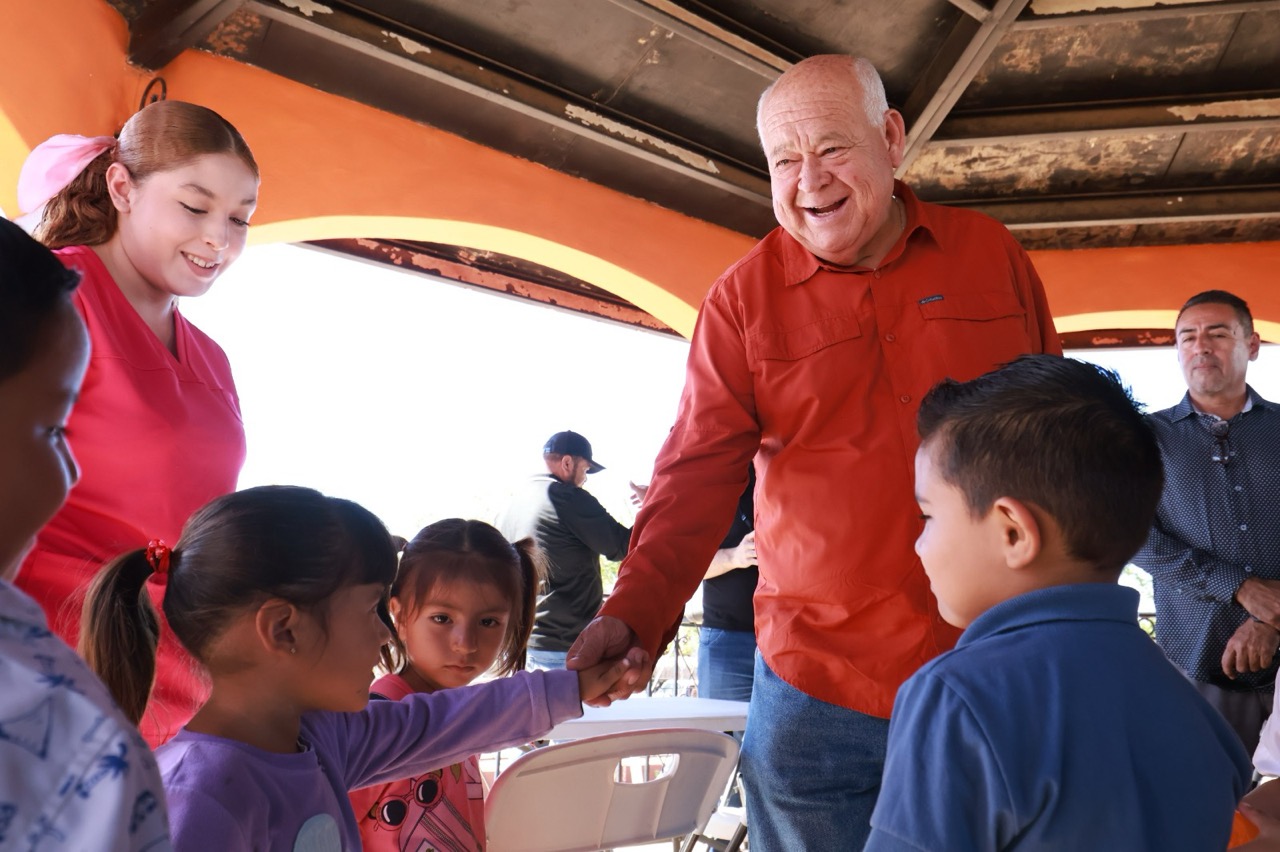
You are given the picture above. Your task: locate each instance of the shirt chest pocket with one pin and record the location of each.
(794, 344)
(971, 333)
(806, 366)
(974, 307)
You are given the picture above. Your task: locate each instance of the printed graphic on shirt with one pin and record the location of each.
(433, 813)
(319, 834)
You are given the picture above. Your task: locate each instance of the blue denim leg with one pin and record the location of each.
(811, 769)
(545, 660)
(726, 663)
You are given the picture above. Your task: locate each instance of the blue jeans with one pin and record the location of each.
(811, 769)
(545, 660)
(726, 662)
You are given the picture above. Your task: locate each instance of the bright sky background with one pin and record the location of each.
(423, 400)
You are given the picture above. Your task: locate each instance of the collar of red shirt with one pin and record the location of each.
(800, 265)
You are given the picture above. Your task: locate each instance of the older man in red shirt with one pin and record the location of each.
(811, 354)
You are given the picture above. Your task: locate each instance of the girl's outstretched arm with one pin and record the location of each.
(391, 740)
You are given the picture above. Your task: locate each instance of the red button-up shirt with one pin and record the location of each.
(819, 370)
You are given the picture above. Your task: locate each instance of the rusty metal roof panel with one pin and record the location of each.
(1077, 124)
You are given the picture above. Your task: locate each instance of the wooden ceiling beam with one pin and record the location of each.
(1238, 112)
(165, 28)
(1152, 13)
(337, 38)
(751, 51)
(962, 56)
(1247, 203)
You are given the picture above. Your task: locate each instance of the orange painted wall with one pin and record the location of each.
(332, 167)
(1156, 280)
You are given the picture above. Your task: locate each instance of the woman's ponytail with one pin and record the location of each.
(82, 213)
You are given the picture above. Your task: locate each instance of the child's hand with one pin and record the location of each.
(595, 681)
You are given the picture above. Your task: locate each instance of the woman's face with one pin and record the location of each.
(179, 229)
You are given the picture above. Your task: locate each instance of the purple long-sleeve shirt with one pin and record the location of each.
(226, 795)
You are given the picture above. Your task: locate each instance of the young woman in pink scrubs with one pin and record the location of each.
(153, 215)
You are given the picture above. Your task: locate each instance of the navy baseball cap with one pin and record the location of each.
(572, 444)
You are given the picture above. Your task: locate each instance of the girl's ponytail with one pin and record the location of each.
(119, 630)
(533, 573)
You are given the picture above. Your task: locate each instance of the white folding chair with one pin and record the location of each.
(567, 797)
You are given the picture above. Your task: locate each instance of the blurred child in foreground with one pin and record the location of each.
(74, 772)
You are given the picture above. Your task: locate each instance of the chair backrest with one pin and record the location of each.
(565, 797)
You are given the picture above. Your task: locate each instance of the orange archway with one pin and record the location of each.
(335, 168)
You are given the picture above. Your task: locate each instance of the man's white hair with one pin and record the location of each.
(874, 101)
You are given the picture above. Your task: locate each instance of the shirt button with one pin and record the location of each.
(1244, 527)
(877, 273)
(890, 337)
(907, 398)
(1239, 488)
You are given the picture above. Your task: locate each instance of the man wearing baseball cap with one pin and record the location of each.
(574, 531)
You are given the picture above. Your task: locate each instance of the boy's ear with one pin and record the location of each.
(1020, 537)
(276, 624)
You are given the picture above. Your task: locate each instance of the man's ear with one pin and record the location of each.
(1020, 538)
(567, 464)
(120, 187)
(276, 623)
(895, 135)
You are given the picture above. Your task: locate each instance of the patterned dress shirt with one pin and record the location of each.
(1217, 525)
(74, 774)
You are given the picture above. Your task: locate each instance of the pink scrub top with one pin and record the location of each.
(157, 436)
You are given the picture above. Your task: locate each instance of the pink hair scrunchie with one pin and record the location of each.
(54, 163)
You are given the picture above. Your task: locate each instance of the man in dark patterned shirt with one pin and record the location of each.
(1214, 552)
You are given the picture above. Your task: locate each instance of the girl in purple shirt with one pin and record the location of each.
(280, 593)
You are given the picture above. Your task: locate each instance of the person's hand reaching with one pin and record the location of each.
(596, 680)
(605, 639)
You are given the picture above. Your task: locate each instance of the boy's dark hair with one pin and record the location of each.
(456, 549)
(1222, 297)
(33, 283)
(274, 541)
(1057, 433)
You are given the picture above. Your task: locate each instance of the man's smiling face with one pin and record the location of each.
(831, 167)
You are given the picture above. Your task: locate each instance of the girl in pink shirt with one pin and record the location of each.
(463, 603)
(146, 218)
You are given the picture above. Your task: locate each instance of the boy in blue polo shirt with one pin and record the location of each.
(1056, 723)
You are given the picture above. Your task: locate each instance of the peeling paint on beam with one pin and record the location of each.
(407, 44)
(594, 119)
(476, 269)
(1257, 108)
(1067, 7)
(306, 7)
(1147, 12)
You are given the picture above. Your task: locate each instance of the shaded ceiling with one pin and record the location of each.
(1077, 125)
